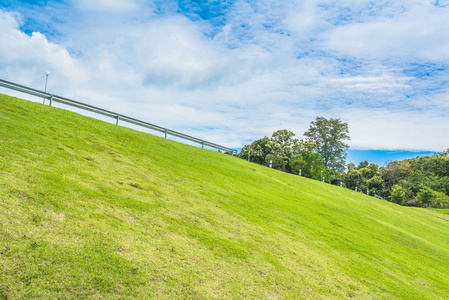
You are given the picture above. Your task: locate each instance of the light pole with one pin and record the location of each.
(46, 80)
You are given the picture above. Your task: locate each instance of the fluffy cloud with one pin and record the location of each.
(419, 32)
(108, 6)
(26, 58)
(240, 70)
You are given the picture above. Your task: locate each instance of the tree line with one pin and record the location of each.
(422, 181)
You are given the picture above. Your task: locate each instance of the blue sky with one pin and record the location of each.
(235, 71)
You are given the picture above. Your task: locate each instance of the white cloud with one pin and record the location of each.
(397, 130)
(114, 6)
(377, 84)
(266, 66)
(422, 32)
(27, 58)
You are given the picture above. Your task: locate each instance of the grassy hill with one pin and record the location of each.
(91, 210)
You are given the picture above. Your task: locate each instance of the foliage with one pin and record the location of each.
(330, 136)
(394, 172)
(276, 160)
(257, 151)
(291, 155)
(398, 195)
(354, 179)
(307, 160)
(283, 149)
(376, 186)
(430, 198)
(366, 177)
(287, 154)
(402, 181)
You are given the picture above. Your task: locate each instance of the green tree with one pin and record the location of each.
(430, 198)
(284, 138)
(283, 145)
(398, 195)
(363, 164)
(330, 136)
(277, 161)
(425, 196)
(394, 172)
(307, 160)
(370, 171)
(354, 179)
(352, 166)
(376, 186)
(258, 150)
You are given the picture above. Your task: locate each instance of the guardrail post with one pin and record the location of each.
(51, 99)
(165, 133)
(118, 118)
(202, 144)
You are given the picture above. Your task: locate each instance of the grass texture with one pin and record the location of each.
(91, 210)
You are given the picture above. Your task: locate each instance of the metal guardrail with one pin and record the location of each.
(379, 197)
(118, 117)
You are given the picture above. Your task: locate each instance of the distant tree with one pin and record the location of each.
(398, 195)
(284, 138)
(425, 196)
(394, 172)
(351, 166)
(287, 154)
(430, 198)
(371, 171)
(277, 161)
(258, 150)
(307, 160)
(376, 186)
(443, 153)
(354, 179)
(330, 136)
(363, 164)
(283, 146)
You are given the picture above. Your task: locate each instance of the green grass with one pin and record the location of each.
(91, 210)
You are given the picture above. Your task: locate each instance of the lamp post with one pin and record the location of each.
(46, 80)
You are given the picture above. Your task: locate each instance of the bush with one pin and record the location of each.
(398, 195)
(430, 198)
(413, 202)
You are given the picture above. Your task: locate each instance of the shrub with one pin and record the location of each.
(430, 198)
(398, 194)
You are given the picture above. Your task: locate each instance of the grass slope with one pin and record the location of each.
(90, 210)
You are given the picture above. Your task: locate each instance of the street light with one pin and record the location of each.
(46, 80)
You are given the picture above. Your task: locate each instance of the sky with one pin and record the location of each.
(234, 71)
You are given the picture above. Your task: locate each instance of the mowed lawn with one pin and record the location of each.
(91, 210)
